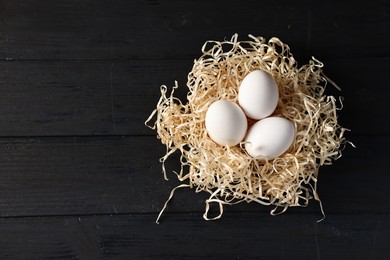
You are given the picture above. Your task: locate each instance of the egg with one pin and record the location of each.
(258, 94)
(226, 123)
(270, 137)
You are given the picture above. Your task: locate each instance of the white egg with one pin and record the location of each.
(270, 137)
(258, 94)
(226, 123)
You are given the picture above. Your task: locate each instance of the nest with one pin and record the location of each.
(229, 174)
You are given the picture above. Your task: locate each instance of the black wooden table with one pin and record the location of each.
(79, 171)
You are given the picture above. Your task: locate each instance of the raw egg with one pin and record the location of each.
(269, 137)
(226, 123)
(258, 94)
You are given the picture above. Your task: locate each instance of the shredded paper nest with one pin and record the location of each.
(229, 174)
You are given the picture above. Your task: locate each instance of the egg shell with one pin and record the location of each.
(269, 138)
(226, 123)
(258, 94)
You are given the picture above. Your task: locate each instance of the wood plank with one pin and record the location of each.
(109, 175)
(82, 98)
(80, 177)
(185, 236)
(115, 98)
(364, 93)
(355, 28)
(75, 29)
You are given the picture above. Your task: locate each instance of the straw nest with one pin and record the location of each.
(230, 175)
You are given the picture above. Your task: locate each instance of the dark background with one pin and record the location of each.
(79, 171)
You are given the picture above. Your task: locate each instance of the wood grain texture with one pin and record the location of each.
(123, 29)
(252, 237)
(79, 172)
(115, 98)
(82, 98)
(110, 175)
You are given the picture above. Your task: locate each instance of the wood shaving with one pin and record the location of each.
(229, 174)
